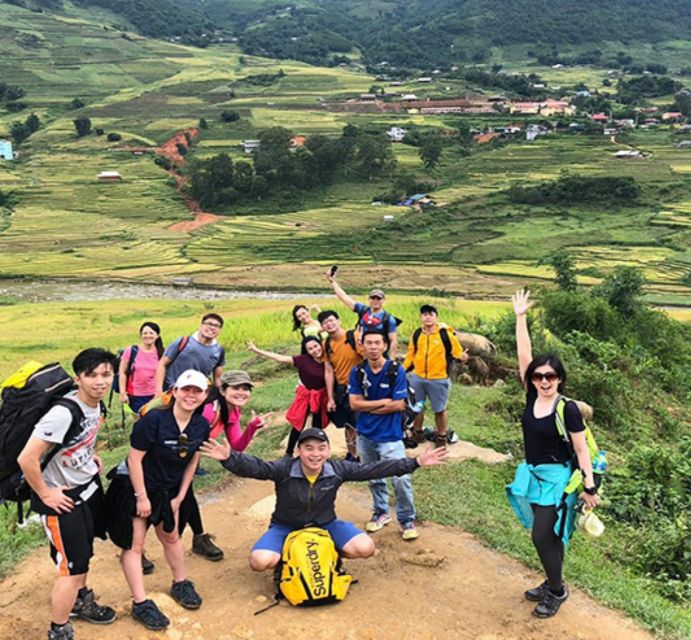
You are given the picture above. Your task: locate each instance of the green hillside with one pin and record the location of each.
(139, 92)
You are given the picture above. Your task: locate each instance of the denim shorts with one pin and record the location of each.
(341, 531)
(436, 391)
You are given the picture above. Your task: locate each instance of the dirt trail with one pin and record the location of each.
(445, 585)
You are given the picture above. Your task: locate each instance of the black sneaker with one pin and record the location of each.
(147, 566)
(150, 615)
(536, 594)
(185, 594)
(550, 604)
(86, 608)
(202, 545)
(65, 632)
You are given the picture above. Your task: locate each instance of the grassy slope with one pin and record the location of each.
(469, 495)
(146, 90)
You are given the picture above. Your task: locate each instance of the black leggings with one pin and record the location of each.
(549, 547)
(295, 434)
(190, 514)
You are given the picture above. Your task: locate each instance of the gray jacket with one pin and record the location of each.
(299, 503)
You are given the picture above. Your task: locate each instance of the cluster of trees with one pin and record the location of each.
(520, 85)
(619, 355)
(10, 97)
(20, 131)
(577, 190)
(261, 79)
(650, 86)
(278, 166)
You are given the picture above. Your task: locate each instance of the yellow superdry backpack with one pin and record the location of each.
(310, 570)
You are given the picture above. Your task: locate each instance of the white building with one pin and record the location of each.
(6, 150)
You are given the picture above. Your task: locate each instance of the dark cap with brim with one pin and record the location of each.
(313, 434)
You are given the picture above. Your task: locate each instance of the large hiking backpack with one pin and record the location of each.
(448, 347)
(310, 571)
(27, 395)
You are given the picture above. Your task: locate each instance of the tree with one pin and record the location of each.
(113, 137)
(19, 132)
(203, 123)
(564, 265)
(273, 159)
(623, 289)
(33, 123)
(82, 125)
(374, 154)
(230, 116)
(209, 178)
(77, 103)
(430, 151)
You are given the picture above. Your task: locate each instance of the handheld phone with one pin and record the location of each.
(333, 271)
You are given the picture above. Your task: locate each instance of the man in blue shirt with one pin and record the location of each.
(372, 317)
(379, 397)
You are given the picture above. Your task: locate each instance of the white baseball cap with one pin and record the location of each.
(192, 378)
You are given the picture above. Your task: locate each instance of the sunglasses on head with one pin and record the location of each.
(183, 448)
(550, 376)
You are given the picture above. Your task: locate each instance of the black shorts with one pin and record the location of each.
(343, 416)
(71, 535)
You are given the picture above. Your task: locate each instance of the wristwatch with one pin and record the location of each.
(591, 491)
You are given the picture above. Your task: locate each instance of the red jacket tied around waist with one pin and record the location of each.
(307, 401)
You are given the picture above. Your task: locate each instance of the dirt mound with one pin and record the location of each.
(169, 149)
(444, 585)
(200, 219)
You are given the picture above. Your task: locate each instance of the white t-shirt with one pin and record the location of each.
(73, 465)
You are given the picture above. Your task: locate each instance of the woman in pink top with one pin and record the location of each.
(137, 380)
(223, 414)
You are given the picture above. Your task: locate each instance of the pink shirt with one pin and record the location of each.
(142, 382)
(237, 438)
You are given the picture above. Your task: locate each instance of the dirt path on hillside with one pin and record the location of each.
(445, 585)
(170, 150)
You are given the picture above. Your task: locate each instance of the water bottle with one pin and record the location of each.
(419, 406)
(600, 463)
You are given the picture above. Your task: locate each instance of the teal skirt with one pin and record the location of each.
(544, 485)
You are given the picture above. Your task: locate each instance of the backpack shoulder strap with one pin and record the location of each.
(350, 339)
(416, 338)
(448, 347)
(181, 346)
(75, 424)
(221, 357)
(134, 349)
(327, 347)
(559, 420)
(392, 374)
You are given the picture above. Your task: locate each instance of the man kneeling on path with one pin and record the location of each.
(431, 350)
(306, 489)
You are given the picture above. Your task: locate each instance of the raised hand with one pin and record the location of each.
(521, 302)
(251, 346)
(432, 456)
(216, 450)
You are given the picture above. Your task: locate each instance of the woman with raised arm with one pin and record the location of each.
(537, 493)
(310, 394)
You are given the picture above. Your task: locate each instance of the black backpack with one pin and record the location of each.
(446, 341)
(21, 409)
(350, 341)
(115, 387)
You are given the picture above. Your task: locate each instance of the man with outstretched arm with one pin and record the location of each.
(306, 489)
(67, 493)
(370, 318)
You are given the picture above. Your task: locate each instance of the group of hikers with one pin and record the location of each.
(185, 399)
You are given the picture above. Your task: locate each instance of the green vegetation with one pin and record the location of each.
(570, 190)
(629, 362)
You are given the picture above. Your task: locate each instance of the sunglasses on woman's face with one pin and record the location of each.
(550, 376)
(183, 448)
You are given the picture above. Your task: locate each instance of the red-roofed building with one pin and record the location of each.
(600, 117)
(675, 116)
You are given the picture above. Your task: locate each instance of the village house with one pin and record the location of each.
(602, 118)
(6, 152)
(396, 134)
(109, 176)
(424, 79)
(250, 146)
(628, 153)
(368, 97)
(672, 116)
